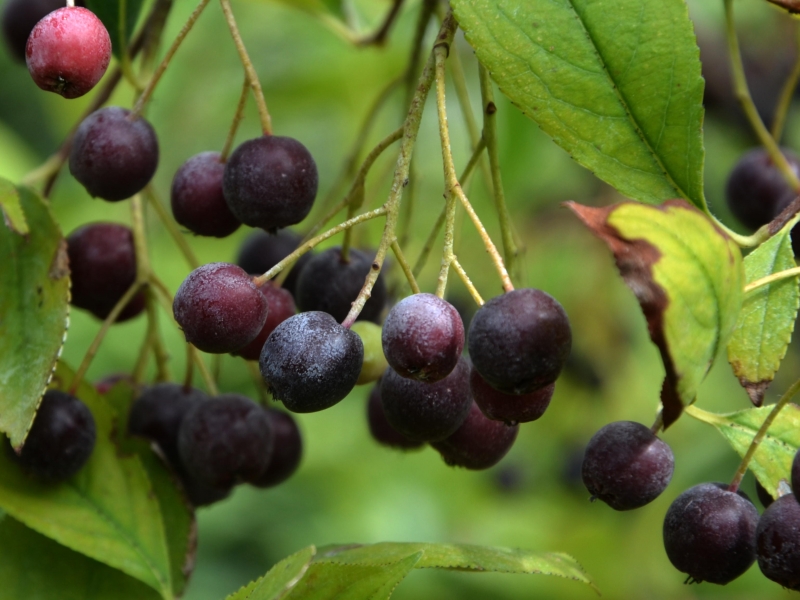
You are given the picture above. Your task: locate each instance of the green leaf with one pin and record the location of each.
(33, 567)
(688, 277)
(109, 12)
(279, 579)
(109, 511)
(765, 325)
(11, 208)
(34, 313)
(616, 84)
(772, 460)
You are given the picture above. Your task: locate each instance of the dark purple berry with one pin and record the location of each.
(778, 542)
(226, 440)
(114, 155)
(197, 200)
(102, 262)
(379, 427)
(756, 190)
(19, 18)
(710, 533)
(61, 438)
(219, 308)
(423, 411)
(479, 443)
(510, 408)
(626, 466)
(68, 51)
(423, 337)
(287, 451)
(310, 362)
(270, 182)
(261, 251)
(519, 341)
(795, 475)
(330, 284)
(281, 307)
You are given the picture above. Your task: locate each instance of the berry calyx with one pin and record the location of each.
(270, 182)
(68, 51)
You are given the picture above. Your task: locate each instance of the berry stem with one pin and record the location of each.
(172, 228)
(745, 99)
(252, 76)
(156, 77)
(159, 351)
(258, 382)
(785, 99)
(467, 282)
(71, 3)
(510, 250)
(144, 353)
(401, 260)
(237, 118)
(793, 272)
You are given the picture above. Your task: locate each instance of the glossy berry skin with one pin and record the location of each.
(329, 284)
(112, 155)
(18, 20)
(509, 408)
(310, 362)
(710, 533)
(423, 337)
(427, 412)
(270, 182)
(281, 307)
(479, 443)
(197, 200)
(756, 190)
(519, 341)
(102, 262)
(61, 438)
(287, 451)
(226, 440)
(219, 308)
(261, 251)
(778, 542)
(626, 466)
(379, 427)
(68, 51)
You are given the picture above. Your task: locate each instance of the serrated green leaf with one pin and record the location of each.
(616, 83)
(109, 511)
(772, 460)
(34, 567)
(34, 313)
(279, 579)
(109, 11)
(11, 209)
(765, 325)
(688, 277)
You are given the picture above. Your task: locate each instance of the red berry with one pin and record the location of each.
(68, 51)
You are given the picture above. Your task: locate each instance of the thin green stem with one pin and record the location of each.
(237, 118)
(144, 353)
(762, 431)
(487, 242)
(785, 99)
(258, 382)
(172, 228)
(252, 76)
(188, 374)
(793, 272)
(140, 239)
(401, 260)
(467, 281)
(745, 99)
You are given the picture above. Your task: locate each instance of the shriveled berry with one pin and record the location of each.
(261, 251)
(310, 362)
(710, 533)
(626, 466)
(197, 200)
(424, 411)
(519, 341)
(778, 542)
(423, 337)
(102, 262)
(331, 284)
(18, 20)
(270, 182)
(281, 307)
(219, 308)
(479, 443)
(287, 451)
(113, 155)
(68, 51)
(61, 438)
(510, 408)
(379, 427)
(226, 440)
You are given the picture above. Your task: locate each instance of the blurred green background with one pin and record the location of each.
(348, 489)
